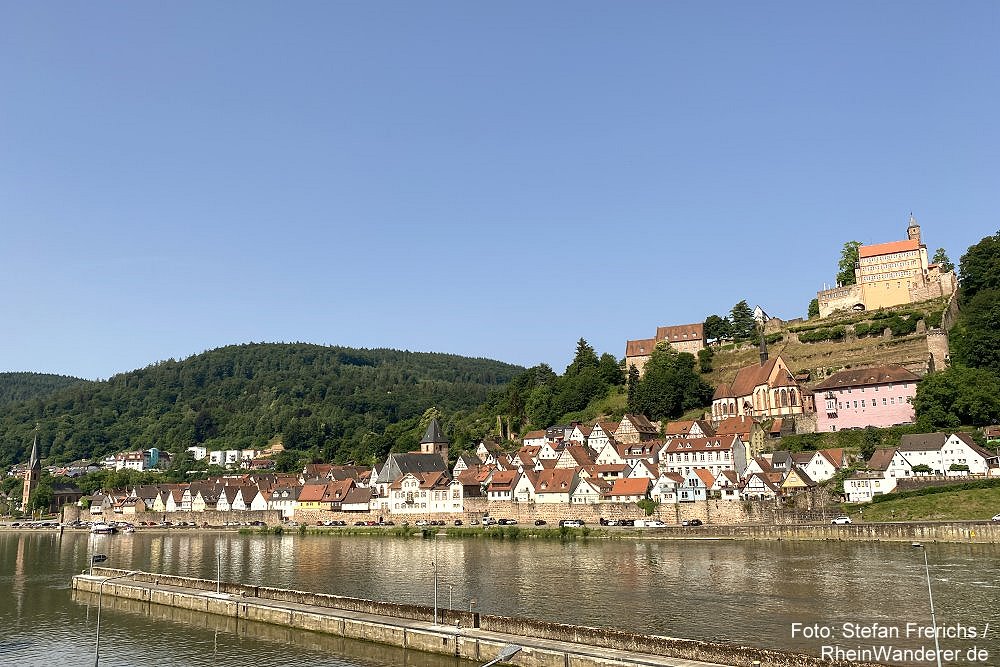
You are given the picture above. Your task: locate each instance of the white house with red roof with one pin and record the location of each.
(697, 482)
(666, 487)
(713, 454)
(589, 491)
(555, 486)
(629, 490)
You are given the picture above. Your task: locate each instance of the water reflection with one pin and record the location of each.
(743, 592)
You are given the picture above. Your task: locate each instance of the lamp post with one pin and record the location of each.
(472, 603)
(218, 578)
(100, 597)
(930, 597)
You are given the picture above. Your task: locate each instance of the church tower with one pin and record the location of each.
(434, 441)
(31, 475)
(913, 231)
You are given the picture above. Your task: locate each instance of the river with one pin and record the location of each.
(740, 592)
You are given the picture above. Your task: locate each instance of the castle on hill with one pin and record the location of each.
(890, 274)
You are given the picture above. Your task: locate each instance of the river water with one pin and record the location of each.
(740, 592)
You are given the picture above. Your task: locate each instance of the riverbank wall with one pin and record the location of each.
(472, 636)
(976, 532)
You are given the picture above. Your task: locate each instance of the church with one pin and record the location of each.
(762, 391)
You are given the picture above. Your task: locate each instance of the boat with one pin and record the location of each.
(102, 528)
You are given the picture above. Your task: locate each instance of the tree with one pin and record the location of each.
(585, 358)
(610, 370)
(848, 262)
(743, 323)
(632, 402)
(975, 341)
(539, 407)
(814, 308)
(958, 396)
(671, 385)
(717, 327)
(705, 356)
(872, 440)
(980, 267)
(941, 259)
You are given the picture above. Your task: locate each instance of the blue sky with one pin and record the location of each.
(488, 179)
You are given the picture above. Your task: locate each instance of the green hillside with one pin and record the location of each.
(333, 402)
(16, 387)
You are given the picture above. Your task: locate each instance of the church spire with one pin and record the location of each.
(35, 461)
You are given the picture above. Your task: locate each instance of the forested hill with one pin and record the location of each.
(25, 386)
(336, 403)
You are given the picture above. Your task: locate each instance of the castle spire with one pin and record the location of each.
(35, 461)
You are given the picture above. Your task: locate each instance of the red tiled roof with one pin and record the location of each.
(866, 377)
(640, 348)
(735, 426)
(888, 248)
(630, 487)
(681, 333)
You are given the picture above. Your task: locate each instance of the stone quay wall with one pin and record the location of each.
(447, 638)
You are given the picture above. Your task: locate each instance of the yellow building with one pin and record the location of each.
(887, 272)
(890, 274)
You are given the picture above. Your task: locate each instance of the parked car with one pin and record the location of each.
(609, 522)
(626, 522)
(689, 522)
(458, 522)
(507, 522)
(996, 517)
(539, 522)
(656, 523)
(571, 523)
(843, 520)
(423, 522)
(489, 521)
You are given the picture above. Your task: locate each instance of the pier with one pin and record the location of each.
(469, 635)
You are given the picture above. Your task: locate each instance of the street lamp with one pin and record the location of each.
(930, 597)
(100, 597)
(506, 653)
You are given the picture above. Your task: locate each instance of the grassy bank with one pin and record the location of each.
(944, 504)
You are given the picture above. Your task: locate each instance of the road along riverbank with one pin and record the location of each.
(472, 636)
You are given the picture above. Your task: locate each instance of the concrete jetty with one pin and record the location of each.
(471, 636)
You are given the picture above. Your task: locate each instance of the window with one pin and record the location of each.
(892, 400)
(855, 404)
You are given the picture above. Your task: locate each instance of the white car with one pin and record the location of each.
(842, 520)
(996, 517)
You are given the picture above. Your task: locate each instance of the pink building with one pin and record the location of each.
(881, 396)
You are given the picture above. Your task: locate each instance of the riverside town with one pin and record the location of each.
(874, 421)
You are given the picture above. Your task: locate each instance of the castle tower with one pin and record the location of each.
(763, 346)
(434, 441)
(31, 475)
(913, 231)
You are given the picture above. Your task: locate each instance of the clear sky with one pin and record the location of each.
(490, 179)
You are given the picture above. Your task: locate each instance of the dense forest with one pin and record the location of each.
(968, 393)
(16, 387)
(331, 403)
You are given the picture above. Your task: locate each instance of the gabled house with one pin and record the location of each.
(665, 488)
(644, 469)
(629, 490)
(697, 482)
(750, 432)
(824, 464)
(488, 452)
(609, 454)
(589, 491)
(863, 485)
(762, 486)
(601, 434)
(524, 488)
(726, 486)
(397, 465)
(890, 462)
(796, 480)
(642, 451)
(358, 499)
(556, 485)
(635, 428)
(425, 493)
(696, 428)
(534, 438)
(463, 463)
(580, 434)
(501, 486)
(954, 454)
(283, 499)
(574, 456)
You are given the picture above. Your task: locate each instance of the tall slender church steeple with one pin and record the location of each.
(31, 475)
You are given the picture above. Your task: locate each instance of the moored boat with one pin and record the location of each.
(101, 528)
